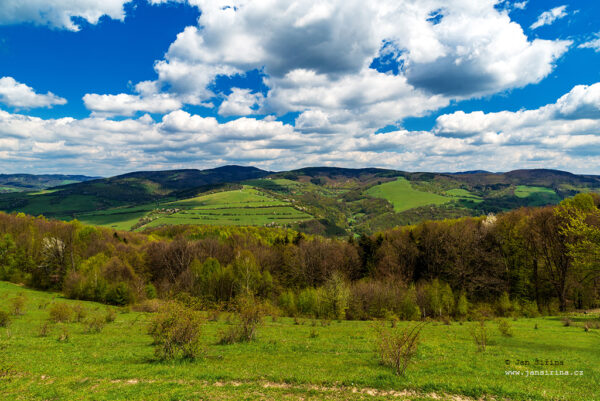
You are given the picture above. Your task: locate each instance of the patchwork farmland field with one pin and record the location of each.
(246, 206)
(289, 360)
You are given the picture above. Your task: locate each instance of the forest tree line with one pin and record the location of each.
(523, 262)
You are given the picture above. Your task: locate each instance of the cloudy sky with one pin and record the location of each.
(103, 87)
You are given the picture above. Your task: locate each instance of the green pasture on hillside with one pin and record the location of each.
(537, 196)
(246, 206)
(118, 218)
(524, 191)
(403, 197)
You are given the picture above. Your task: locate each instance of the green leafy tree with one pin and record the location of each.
(337, 295)
(462, 305)
(8, 249)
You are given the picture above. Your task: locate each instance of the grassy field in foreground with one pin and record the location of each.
(286, 362)
(403, 197)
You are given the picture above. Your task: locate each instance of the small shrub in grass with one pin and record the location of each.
(250, 318)
(44, 329)
(398, 347)
(60, 313)
(530, 309)
(95, 324)
(18, 305)
(110, 316)
(313, 334)
(214, 315)
(4, 319)
(446, 320)
(480, 335)
(591, 324)
(229, 336)
(148, 306)
(64, 335)
(567, 322)
(176, 332)
(80, 312)
(505, 328)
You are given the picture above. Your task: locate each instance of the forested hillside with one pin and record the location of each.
(527, 261)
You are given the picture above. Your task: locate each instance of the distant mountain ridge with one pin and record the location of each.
(339, 200)
(29, 182)
(171, 180)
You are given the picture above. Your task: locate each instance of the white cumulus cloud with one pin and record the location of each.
(548, 17)
(570, 125)
(310, 51)
(564, 134)
(241, 102)
(16, 94)
(59, 13)
(593, 44)
(126, 105)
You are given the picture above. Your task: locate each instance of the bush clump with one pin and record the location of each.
(176, 332)
(4, 319)
(505, 328)
(18, 305)
(148, 306)
(480, 335)
(64, 335)
(95, 324)
(398, 347)
(250, 318)
(110, 316)
(44, 329)
(61, 312)
(80, 312)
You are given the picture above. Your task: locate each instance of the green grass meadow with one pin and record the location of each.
(524, 191)
(462, 193)
(536, 196)
(404, 197)
(286, 362)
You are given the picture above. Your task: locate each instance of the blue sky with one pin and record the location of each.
(106, 87)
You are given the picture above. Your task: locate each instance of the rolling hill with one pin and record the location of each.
(30, 182)
(320, 200)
